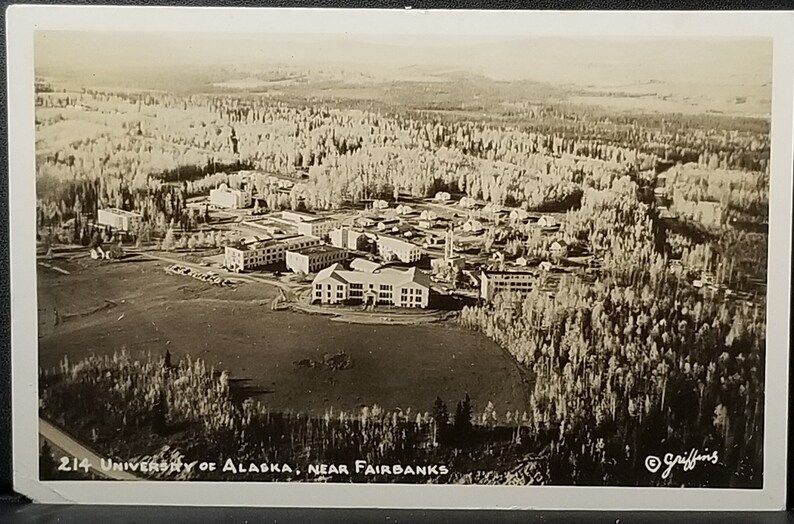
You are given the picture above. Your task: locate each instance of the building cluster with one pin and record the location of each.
(387, 237)
(377, 240)
(390, 248)
(261, 251)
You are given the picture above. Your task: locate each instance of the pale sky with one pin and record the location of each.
(583, 62)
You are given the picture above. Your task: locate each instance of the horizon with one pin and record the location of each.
(580, 61)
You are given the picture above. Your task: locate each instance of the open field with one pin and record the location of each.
(235, 329)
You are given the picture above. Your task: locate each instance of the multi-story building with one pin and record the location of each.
(493, 282)
(314, 258)
(318, 228)
(393, 248)
(118, 219)
(390, 286)
(311, 225)
(345, 238)
(264, 252)
(229, 198)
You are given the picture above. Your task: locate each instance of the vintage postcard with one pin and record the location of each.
(401, 258)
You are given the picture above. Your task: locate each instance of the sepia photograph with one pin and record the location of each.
(330, 257)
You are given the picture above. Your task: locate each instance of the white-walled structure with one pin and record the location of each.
(263, 252)
(493, 282)
(317, 228)
(229, 198)
(314, 258)
(345, 238)
(118, 219)
(390, 286)
(393, 248)
(547, 221)
(559, 249)
(311, 225)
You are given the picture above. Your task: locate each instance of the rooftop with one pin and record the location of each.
(362, 264)
(314, 250)
(303, 217)
(393, 243)
(226, 189)
(387, 275)
(258, 242)
(519, 273)
(121, 212)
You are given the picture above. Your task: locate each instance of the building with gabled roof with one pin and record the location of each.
(547, 221)
(390, 286)
(559, 249)
(404, 251)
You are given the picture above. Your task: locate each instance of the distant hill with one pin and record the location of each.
(668, 75)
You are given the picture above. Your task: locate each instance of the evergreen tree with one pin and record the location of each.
(441, 416)
(169, 242)
(462, 424)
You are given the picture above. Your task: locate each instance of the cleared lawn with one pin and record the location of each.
(235, 329)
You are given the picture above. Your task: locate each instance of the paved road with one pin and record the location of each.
(70, 446)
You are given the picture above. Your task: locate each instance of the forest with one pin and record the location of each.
(640, 360)
(141, 151)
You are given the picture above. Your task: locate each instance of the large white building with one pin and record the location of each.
(229, 198)
(493, 282)
(263, 252)
(318, 228)
(118, 219)
(314, 258)
(391, 286)
(311, 225)
(345, 238)
(394, 248)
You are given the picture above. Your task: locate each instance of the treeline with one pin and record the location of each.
(640, 361)
(747, 193)
(642, 372)
(153, 408)
(134, 142)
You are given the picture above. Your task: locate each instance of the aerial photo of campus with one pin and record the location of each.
(455, 261)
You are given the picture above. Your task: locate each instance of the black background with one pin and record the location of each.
(14, 508)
